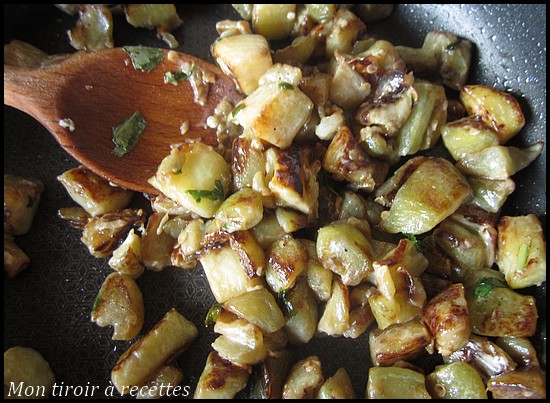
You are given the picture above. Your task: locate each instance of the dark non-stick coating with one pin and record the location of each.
(48, 306)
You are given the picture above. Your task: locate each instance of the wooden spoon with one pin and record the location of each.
(98, 90)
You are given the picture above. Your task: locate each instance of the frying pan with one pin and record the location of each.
(47, 307)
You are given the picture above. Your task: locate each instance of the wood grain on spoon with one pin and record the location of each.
(97, 91)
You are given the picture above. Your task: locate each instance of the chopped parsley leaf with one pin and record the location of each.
(215, 194)
(485, 284)
(127, 134)
(144, 58)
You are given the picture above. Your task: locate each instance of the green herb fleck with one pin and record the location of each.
(523, 255)
(127, 134)
(144, 58)
(286, 306)
(286, 86)
(417, 243)
(213, 314)
(173, 77)
(97, 302)
(485, 284)
(216, 194)
(237, 109)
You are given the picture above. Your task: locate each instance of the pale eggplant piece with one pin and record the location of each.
(268, 230)
(447, 318)
(244, 10)
(468, 237)
(287, 259)
(244, 58)
(119, 303)
(454, 57)
(521, 253)
(299, 51)
(291, 220)
(343, 249)
(240, 211)
(164, 342)
(15, 259)
(162, 204)
(191, 241)
(520, 349)
(251, 254)
(151, 16)
(496, 310)
(422, 129)
(320, 13)
(126, 258)
(466, 136)
(422, 62)
(360, 316)
(21, 199)
(195, 176)
(319, 278)
(26, 367)
(455, 64)
(383, 68)
(524, 383)
(353, 205)
(432, 192)
(220, 379)
(156, 245)
(239, 354)
(485, 356)
(387, 116)
(346, 27)
(282, 74)
(405, 255)
(258, 307)
(378, 146)
(304, 379)
(269, 376)
(348, 89)
(399, 342)
(165, 383)
(500, 110)
(317, 87)
(334, 320)
(490, 194)
(225, 274)
(294, 179)
(93, 193)
(246, 161)
(238, 330)
(273, 21)
(301, 316)
(458, 380)
(103, 233)
(399, 296)
(94, 28)
(23, 54)
(76, 217)
(498, 162)
(262, 113)
(385, 194)
(338, 386)
(395, 383)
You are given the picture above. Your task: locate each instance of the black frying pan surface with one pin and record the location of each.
(48, 306)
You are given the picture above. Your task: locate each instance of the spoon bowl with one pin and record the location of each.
(98, 90)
